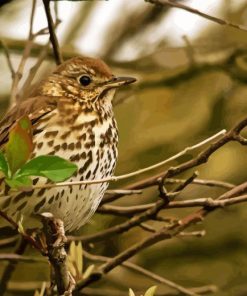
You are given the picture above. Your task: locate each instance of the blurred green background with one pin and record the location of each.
(192, 77)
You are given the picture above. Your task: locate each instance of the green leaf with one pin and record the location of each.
(151, 291)
(19, 182)
(52, 167)
(3, 164)
(20, 145)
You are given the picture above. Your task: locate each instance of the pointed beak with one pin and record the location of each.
(119, 81)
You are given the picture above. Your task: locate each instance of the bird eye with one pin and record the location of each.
(85, 80)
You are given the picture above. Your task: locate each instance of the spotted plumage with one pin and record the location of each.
(72, 117)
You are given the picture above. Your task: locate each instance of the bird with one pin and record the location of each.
(72, 117)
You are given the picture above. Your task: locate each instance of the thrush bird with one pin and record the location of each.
(72, 117)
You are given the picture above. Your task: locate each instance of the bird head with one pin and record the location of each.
(84, 79)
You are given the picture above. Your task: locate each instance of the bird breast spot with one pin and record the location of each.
(83, 118)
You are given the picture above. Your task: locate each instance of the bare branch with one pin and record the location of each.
(134, 221)
(55, 240)
(53, 37)
(7, 55)
(18, 74)
(27, 237)
(145, 272)
(21, 258)
(135, 173)
(210, 183)
(8, 271)
(8, 241)
(203, 157)
(169, 232)
(214, 19)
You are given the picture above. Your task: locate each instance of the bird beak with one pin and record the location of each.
(119, 81)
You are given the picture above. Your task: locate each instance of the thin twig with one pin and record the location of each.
(26, 53)
(210, 183)
(8, 241)
(21, 258)
(123, 191)
(192, 233)
(132, 222)
(135, 173)
(53, 37)
(27, 237)
(182, 6)
(200, 202)
(143, 271)
(33, 71)
(8, 271)
(8, 59)
(169, 232)
(231, 135)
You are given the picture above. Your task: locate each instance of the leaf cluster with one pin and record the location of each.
(18, 167)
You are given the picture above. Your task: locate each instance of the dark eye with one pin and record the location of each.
(85, 80)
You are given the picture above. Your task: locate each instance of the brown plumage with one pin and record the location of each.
(72, 117)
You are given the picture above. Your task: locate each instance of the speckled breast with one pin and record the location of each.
(88, 141)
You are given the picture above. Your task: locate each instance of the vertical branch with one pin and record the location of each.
(55, 239)
(53, 37)
(7, 55)
(28, 47)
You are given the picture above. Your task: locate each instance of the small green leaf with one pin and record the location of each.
(3, 164)
(131, 292)
(52, 167)
(20, 145)
(19, 182)
(151, 291)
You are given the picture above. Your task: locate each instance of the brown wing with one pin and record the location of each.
(35, 108)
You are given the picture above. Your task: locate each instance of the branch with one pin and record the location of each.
(27, 237)
(18, 74)
(214, 19)
(7, 55)
(20, 258)
(200, 202)
(231, 135)
(165, 233)
(8, 271)
(135, 173)
(55, 240)
(33, 71)
(144, 272)
(134, 221)
(53, 37)
(8, 241)
(210, 183)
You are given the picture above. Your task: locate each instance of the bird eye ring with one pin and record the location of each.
(85, 80)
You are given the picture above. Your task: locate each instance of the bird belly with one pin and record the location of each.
(95, 157)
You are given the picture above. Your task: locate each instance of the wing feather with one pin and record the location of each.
(35, 108)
